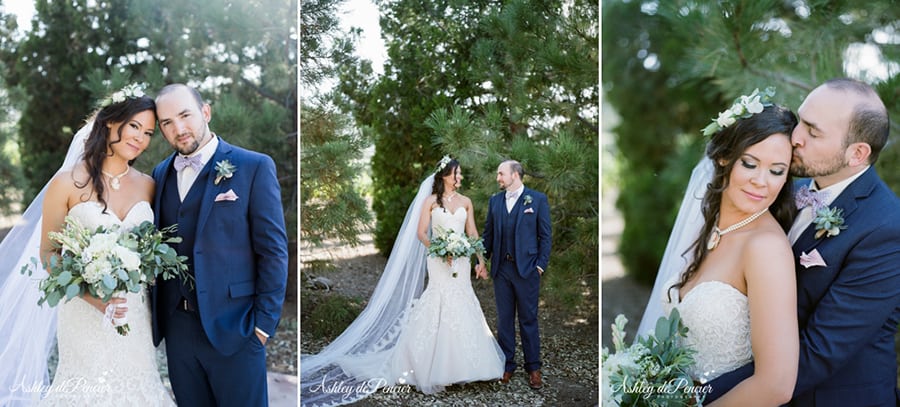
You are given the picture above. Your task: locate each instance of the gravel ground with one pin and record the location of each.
(569, 348)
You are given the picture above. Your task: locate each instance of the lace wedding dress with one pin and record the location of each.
(443, 336)
(717, 316)
(97, 366)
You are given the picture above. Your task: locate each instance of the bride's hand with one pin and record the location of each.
(450, 261)
(121, 308)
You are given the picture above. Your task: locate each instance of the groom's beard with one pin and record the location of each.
(823, 168)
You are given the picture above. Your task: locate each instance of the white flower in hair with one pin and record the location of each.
(743, 107)
(443, 163)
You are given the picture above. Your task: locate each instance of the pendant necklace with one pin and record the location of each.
(450, 197)
(114, 182)
(717, 233)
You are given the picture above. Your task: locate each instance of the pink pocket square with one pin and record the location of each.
(227, 196)
(812, 259)
(529, 210)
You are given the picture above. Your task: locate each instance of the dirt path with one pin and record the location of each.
(620, 294)
(569, 342)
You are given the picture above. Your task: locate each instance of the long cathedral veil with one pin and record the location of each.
(676, 258)
(28, 331)
(322, 381)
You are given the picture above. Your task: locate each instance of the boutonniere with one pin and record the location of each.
(224, 169)
(527, 199)
(829, 221)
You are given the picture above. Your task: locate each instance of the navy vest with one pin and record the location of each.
(508, 231)
(186, 217)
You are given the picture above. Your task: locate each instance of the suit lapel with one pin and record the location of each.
(847, 200)
(161, 181)
(223, 152)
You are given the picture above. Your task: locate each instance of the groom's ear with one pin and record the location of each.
(858, 154)
(206, 110)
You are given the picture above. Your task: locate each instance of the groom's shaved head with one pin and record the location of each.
(514, 166)
(176, 86)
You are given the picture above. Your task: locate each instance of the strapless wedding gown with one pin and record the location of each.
(97, 366)
(717, 316)
(443, 336)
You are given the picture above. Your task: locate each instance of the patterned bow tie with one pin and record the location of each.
(808, 197)
(195, 162)
(511, 195)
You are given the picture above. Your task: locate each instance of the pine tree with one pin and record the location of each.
(517, 81)
(333, 206)
(669, 67)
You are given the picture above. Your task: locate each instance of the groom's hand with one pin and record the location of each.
(262, 339)
(481, 271)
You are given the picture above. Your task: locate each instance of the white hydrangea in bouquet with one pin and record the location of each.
(449, 244)
(107, 262)
(653, 370)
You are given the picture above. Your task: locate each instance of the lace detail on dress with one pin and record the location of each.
(446, 339)
(717, 316)
(97, 366)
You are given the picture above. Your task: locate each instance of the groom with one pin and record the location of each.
(848, 280)
(227, 204)
(517, 233)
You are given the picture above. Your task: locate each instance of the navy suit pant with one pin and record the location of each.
(515, 294)
(205, 376)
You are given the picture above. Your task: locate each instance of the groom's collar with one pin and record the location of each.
(834, 190)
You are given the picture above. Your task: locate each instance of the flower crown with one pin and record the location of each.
(130, 91)
(743, 107)
(442, 164)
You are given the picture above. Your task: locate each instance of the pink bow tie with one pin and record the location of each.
(195, 162)
(808, 197)
(511, 195)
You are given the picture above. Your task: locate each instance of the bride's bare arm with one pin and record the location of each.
(54, 211)
(471, 229)
(425, 221)
(772, 293)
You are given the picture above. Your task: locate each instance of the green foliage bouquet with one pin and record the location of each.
(449, 244)
(653, 370)
(107, 262)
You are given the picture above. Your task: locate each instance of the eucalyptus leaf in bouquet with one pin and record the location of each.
(447, 244)
(653, 370)
(106, 262)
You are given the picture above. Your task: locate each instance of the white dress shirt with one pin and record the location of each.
(187, 175)
(510, 202)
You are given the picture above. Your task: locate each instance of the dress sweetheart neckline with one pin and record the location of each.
(682, 300)
(453, 212)
(112, 212)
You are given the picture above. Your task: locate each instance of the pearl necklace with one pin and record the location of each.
(717, 233)
(114, 180)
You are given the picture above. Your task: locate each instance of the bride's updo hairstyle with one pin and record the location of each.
(726, 146)
(445, 167)
(120, 107)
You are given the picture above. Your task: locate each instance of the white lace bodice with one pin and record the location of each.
(97, 366)
(717, 316)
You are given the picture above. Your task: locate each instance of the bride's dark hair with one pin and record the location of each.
(96, 146)
(437, 187)
(727, 146)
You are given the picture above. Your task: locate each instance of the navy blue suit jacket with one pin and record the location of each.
(848, 310)
(533, 237)
(240, 254)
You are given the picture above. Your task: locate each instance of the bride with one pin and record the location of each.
(728, 267)
(428, 341)
(97, 186)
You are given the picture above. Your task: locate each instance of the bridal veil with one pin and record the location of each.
(29, 330)
(678, 255)
(322, 381)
